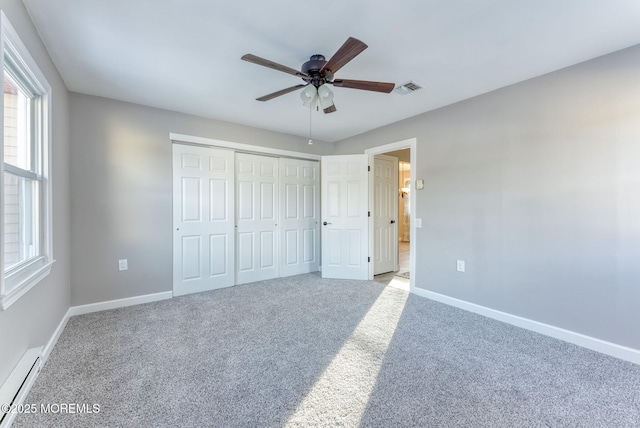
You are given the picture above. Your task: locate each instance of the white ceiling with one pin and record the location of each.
(184, 55)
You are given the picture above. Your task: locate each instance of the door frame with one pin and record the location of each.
(410, 143)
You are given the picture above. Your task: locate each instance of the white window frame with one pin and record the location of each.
(17, 282)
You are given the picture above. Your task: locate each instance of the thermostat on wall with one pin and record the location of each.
(419, 184)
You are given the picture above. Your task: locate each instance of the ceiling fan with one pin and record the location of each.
(318, 73)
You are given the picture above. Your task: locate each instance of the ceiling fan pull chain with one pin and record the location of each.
(310, 140)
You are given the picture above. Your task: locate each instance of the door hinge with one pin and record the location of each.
(368, 167)
(368, 259)
(368, 213)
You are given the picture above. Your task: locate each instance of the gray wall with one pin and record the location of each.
(537, 187)
(121, 181)
(32, 320)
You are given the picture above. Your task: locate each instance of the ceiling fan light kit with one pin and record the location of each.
(323, 94)
(326, 98)
(309, 96)
(318, 73)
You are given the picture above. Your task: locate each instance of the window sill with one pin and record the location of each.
(26, 284)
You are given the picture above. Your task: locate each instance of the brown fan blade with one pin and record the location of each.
(348, 51)
(270, 64)
(280, 92)
(365, 85)
(329, 109)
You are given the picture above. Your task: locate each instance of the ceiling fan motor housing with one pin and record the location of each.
(313, 67)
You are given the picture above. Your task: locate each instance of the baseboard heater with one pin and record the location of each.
(17, 386)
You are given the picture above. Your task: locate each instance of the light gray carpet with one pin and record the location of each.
(301, 351)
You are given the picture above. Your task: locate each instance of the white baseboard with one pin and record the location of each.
(612, 349)
(120, 303)
(46, 351)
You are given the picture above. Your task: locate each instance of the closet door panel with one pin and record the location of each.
(203, 219)
(300, 219)
(257, 256)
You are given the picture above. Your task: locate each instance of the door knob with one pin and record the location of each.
(325, 223)
(393, 221)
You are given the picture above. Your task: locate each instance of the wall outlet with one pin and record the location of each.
(460, 265)
(123, 264)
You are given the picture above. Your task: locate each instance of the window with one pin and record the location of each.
(25, 241)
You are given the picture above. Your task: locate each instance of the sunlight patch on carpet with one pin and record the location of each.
(341, 394)
(400, 283)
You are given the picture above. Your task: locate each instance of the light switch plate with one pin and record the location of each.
(123, 264)
(418, 222)
(419, 184)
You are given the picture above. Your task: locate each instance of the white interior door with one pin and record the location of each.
(344, 201)
(385, 214)
(203, 220)
(256, 218)
(299, 216)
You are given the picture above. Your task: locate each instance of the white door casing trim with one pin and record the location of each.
(250, 148)
(410, 143)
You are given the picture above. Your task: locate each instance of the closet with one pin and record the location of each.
(242, 217)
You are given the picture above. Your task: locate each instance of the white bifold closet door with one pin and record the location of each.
(203, 219)
(242, 218)
(256, 218)
(300, 216)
